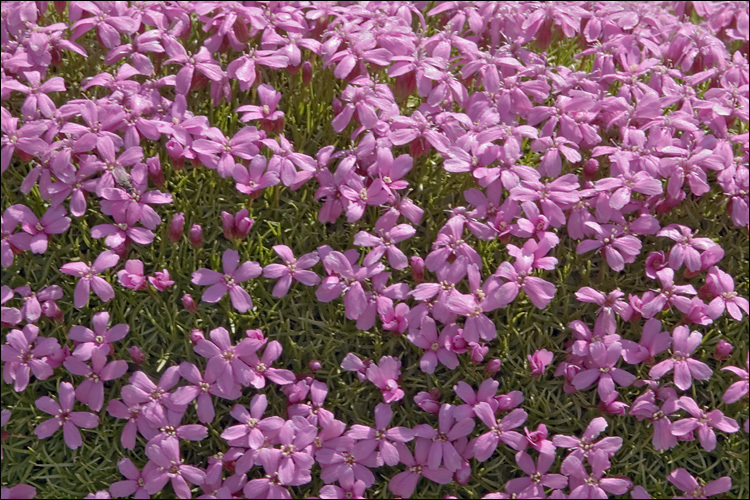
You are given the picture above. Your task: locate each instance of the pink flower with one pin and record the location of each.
(645, 407)
(135, 480)
(64, 417)
(533, 485)
(404, 483)
(160, 280)
(684, 343)
(687, 483)
(686, 248)
(220, 284)
(133, 275)
(435, 347)
(592, 485)
(388, 234)
(385, 376)
(740, 388)
(585, 446)
(88, 278)
(720, 285)
(602, 369)
(27, 353)
(382, 435)
(539, 361)
(486, 444)
(166, 454)
(703, 422)
(91, 391)
(453, 429)
(293, 269)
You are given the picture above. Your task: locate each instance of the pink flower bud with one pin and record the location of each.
(314, 365)
(176, 227)
(590, 169)
(243, 225)
(227, 223)
(196, 336)
(188, 302)
(463, 474)
(539, 361)
(256, 335)
(417, 269)
(492, 366)
(477, 352)
(160, 280)
(155, 172)
(723, 350)
(175, 150)
(428, 402)
(306, 72)
(655, 261)
(509, 401)
(196, 236)
(137, 355)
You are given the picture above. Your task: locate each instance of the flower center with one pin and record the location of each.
(174, 468)
(435, 347)
(228, 280)
(169, 431)
(261, 367)
(251, 422)
(287, 450)
(204, 386)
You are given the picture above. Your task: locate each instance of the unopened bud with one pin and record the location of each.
(155, 172)
(492, 366)
(417, 269)
(188, 302)
(306, 72)
(314, 365)
(176, 227)
(136, 354)
(723, 350)
(196, 336)
(196, 236)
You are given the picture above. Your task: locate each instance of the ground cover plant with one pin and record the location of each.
(389, 249)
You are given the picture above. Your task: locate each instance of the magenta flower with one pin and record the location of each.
(166, 455)
(584, 446)
(669, 294)
(687, 483)
(135, 482)
(385, 376)
(53, 221)
(533, 485)
(91, 391)
(485, 394)
(26, 353)
(347, 489)
(224, 364)
(100, 339)
(270, 118)
(220, 284)
(610, 305)
(684, 343)
(261, 369)
(388, 234)
(618, 247)
(88, 279)
(435, 346)
(132, 276)
(202, 388)
(686, 249)
(295, 461)
(592, 485)
(452, 427)
(20, 491)
(404, 483)
(202, 61)
(740, 388)
(539, 361)
(602, 369)
(293, 269)
(142, 390)
(122, 231)
(64, 417)
(486, 444)
(645, 407)
(539, 291)
(255, 178)
(160, 280)
(253, 429)
(384, 437)
(703, 422)
(720, 285)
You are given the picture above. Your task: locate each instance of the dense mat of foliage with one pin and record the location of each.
(343, 250)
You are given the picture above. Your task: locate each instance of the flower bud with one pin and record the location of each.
(136, 354)
(243, 224)
(477, 352)
(196, 336)
(306, 72)
(227, 223)
(256, 335)
(428, 402)
(539, 361)
(492, 366)
(189, 303)
(175, 150)
(176, 227)
(590, 169)
(723, 350)
(417, 269)
(314, 365)
(155, 172)
(196, 236)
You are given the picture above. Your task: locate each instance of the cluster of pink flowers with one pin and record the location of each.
(594, 160)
